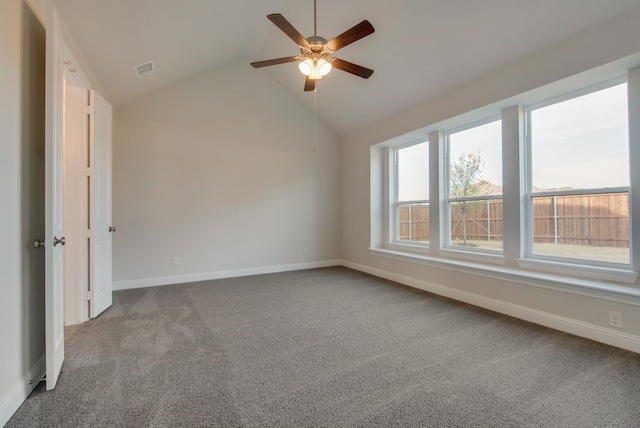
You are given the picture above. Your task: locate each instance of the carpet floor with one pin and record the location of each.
(327, 348)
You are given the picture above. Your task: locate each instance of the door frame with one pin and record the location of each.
(76, 148)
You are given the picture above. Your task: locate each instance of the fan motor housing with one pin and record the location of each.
(316, 43)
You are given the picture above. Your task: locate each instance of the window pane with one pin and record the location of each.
(413, 222)
(475, 161)
(584, 226)
(477, 223)
(413, 173)
(413, 185)
(475, 170)
(581, 144)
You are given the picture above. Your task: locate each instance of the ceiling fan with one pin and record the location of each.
(315, 61)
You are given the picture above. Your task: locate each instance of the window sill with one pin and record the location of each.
(495, 259)
(409, 247)
(624, 292)
(601, 273)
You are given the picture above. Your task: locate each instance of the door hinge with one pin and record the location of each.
(89, 110)
(90, 295)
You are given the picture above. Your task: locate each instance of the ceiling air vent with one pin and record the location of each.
(144, 69)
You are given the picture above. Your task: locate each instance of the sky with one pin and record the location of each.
(580, 143)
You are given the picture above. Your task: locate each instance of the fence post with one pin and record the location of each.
(410, 222)
(488, 222)
(555, 220)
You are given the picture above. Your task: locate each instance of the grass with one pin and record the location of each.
(604, 254)
(586, 252)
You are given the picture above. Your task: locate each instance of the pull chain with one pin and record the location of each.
(315, 117)
(315, 90)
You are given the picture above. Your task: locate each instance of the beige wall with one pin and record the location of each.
(22, 54)
(220, 171)
(615, 41)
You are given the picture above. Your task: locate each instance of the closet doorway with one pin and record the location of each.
(78, 224)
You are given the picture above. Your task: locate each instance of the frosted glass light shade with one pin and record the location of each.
(306, 67)
(323, 66)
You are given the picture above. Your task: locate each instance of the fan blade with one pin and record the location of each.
(353, 34)
(276, 61)
(288, 29)
(350, 67)
(309, 85)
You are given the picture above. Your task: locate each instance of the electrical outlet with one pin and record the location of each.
(176, 261)
(615, 319)
(305, 250)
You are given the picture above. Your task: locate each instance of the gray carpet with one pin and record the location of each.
(323, 348)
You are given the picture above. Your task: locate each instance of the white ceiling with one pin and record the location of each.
(420, 48)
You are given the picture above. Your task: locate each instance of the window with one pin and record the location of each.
(412, 205)
(578, 201)
(474, 187)
(570, 180)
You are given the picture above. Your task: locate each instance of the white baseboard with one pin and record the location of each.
(590, 331)
(207, 276)
(12, 400)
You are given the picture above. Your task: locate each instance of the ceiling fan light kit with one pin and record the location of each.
(315, 61)
(315, 68)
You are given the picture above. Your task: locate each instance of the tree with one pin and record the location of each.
(466, 176)
(465, 180)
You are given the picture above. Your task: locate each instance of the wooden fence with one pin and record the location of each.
(595, 220)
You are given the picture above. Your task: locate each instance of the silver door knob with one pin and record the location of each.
(57, 241)
(38, 243)
(112, 228)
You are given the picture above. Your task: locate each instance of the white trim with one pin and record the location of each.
(580, 192)
(633, 98)
(208, 276)
(568, 325)
(13, 399)
(620, 293)
(436, 188)
(513, 173)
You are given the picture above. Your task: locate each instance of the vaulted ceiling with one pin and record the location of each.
(421, 48)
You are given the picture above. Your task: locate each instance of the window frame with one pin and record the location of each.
(445, 175)
(394, 217)
(529, 195)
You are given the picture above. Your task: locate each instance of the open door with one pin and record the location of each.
(54, 239)
(101, 285)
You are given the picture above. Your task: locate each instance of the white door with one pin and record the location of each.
(101, 285)
(54, 239)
